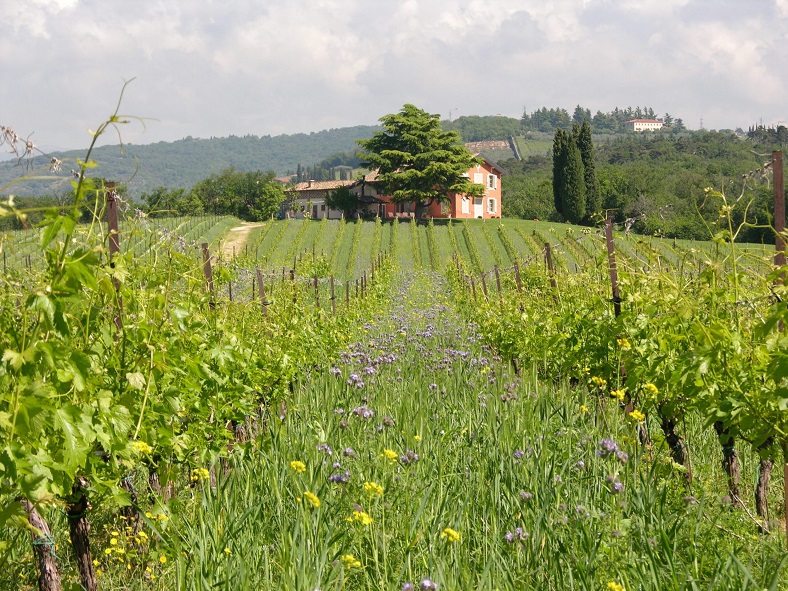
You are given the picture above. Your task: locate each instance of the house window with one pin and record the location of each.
(491, 205)
(478, 178)
(466, 205)
(492, 181)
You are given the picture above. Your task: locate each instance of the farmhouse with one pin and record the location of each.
(644, 125)
(308, 199)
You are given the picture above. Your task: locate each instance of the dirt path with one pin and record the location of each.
(237, 238)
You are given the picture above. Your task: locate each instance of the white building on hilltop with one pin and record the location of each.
(644, 125)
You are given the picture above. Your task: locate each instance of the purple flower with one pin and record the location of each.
(622, 456)
(525, 495)
(518, 454)
(340, 478)
(616, 487)
(427, 585)
(409, 457)
(364, 412)
(335, 371)
(339, 411)
(325, 448)
(518, 535)
(388, 421)
(606, 448)
(349, 452)
(408, 586)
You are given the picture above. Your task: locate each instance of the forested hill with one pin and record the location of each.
(185, 162)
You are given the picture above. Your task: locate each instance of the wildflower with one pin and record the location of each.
(361, 517)
(408, 586)
(518, 535)
(613, 586)
(622, 456)
(349, 452)
(298, 466)
(325, 448)
(583, 408)
(450, 535)
(616, 488)
(606, 448)
(518, 454)
(427, 585)
(312, 498)
(409, 457)
(525, 495)
(638, 416)
(227, 551)
(618, 394)
(141, 447)
(373, 488)
(200, 474)
(623, 344)
(390, 455)
(350, 561)
(340, 478)
(364, 412)
(417, 437)
(163, 559)
(598, 382)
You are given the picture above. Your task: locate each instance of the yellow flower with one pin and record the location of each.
(618, 394)
(312, 498)
(141, 447)
(373, 488)
(361, 517)
(583, 408)
(299, 467)
(113, 542)
(163, 559)
(390, 455)
(623, 344)
(417, 437)
(200, 474)
(228, 551)
(613, 586)
(651, 389)
(638, 416)
(599, 382)
(450, 535)
(350, 561)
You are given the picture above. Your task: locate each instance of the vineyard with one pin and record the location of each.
(367, 405)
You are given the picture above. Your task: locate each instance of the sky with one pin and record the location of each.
(211, 68)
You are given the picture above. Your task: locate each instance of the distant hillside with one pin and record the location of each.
(187, 161)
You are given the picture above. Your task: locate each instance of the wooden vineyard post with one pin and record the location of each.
(207, 271)
(292, 284)
(114, 247)
(611, 257)
(317, 293)
(43, 549)
(230, 290)
(498, 281)
(356, 296)
(473, 288)
(548, 255)
(261, 287)
(333, 298)
(484, 286)
(517, 277)
(779, 261)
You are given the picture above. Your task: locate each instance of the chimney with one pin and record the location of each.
(309, 186)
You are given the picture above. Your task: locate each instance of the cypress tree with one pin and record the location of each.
(586, 146)
(574, 189)
(559, 164)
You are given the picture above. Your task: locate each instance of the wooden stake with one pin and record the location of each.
(333, 298)
(517, 277)
(548, 255)
(114, 247)
(611, 257)
(261, 287)
(206, 268)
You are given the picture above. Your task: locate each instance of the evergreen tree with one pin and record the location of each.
(569, 189)
(586, 147)
(559, 164)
